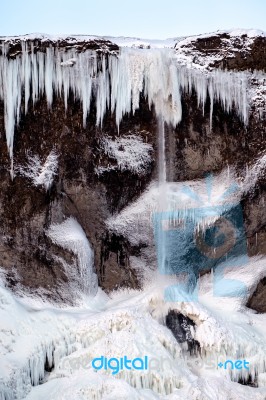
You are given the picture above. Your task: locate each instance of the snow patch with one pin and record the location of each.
(40, 174)
(129, 152)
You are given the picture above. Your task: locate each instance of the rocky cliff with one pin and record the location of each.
(69, 159)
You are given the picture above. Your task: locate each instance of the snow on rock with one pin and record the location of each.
(40, 174)
(230, 42)
(70, 235)
(129, 153)
(248, 32)
(144, 43)
(257, 94)
(121, 41)
(253, 173)
(135, 222)
(222, 49)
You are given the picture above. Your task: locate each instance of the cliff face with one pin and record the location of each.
(64, 168)
(238, 50)
(77, 190)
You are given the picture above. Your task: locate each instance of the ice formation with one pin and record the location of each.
(70, 235)
(116, 80)
(131, 323)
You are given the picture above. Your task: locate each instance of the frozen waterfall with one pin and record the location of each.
(116, 81)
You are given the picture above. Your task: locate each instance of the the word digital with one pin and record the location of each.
(119, 364)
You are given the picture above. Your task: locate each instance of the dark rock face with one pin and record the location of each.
(41, 44)
(227, 52)
(181, 326)
(257, 301)
(115, 268)
(29, 257)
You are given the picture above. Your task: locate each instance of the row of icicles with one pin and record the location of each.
(117, 82)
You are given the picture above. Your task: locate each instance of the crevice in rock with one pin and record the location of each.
(182, 327)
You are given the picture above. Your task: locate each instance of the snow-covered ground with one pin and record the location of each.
(132, 324)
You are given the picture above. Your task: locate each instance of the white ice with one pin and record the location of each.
(131, 323)
(70, 235)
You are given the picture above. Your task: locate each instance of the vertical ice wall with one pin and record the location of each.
(116, 80)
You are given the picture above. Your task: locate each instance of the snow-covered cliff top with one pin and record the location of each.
(60, 59)
(132, 41)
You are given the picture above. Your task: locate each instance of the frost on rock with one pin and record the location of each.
(116, 81)
(70, 235)
(253, 173)
(129, 153)
(258, 94)
(40, 174)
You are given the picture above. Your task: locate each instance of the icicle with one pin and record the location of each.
(117, 81)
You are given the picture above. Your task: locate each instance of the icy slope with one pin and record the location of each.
(132, 324)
